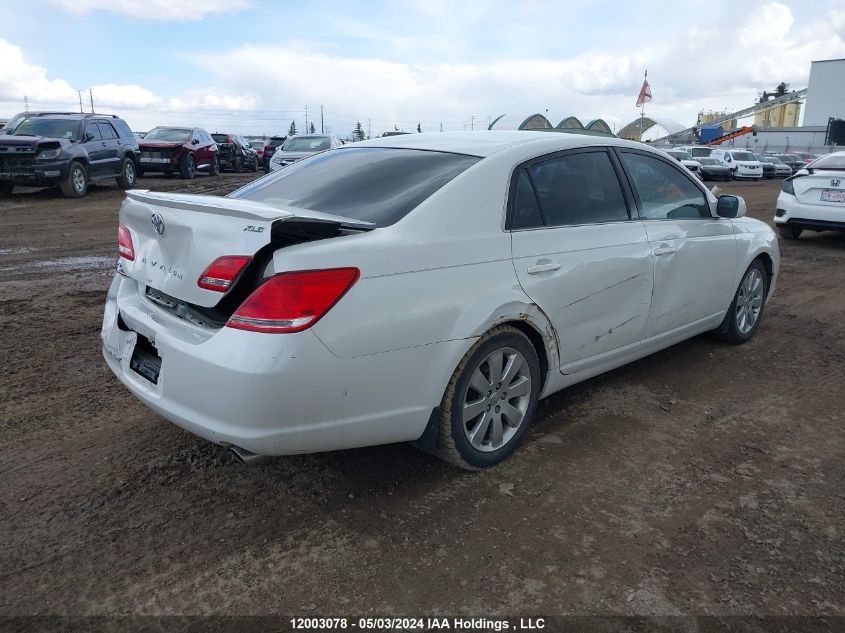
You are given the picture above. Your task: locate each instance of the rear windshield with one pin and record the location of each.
(53, 128)
(372, 184)
(220, 138)
(831, 161)
(307, 144)
(700, 151)
(173, 135)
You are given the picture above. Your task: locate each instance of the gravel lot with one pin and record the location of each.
(706, 479)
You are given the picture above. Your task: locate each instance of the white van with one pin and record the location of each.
(699, 151)
(742, 163)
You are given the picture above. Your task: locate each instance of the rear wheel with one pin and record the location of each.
(214, 170)
(6, 189)
(76, 183)
(188, 167)
(126, 178)
(788, 232)
(255, 164)
(237, 165)
(746, 309)
(490, 401)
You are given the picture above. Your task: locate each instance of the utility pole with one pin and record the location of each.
(25, 103)
(80, 101)
(441, 127)
(306, 119)
(322, 128)
(472, 123)
(369, 128)
(91, 96)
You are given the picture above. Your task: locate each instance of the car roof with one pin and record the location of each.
(485, 143)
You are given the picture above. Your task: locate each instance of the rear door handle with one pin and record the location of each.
(664, 249)
(542, 267)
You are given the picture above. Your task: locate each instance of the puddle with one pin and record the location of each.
(17, 250)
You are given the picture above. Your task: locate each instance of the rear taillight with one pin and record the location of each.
(292, 302)
(125, 248)
(222, 272)
(787, 187)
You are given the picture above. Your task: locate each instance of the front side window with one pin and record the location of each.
(372, 184)
(93, 131)
(578, 188)
(665, 193)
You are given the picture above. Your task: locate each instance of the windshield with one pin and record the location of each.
(834, 161)
(708, 161)
(743, 156)
(53, 128)
(257, 144)
(372, 184)
(170, 134)
(307, 144)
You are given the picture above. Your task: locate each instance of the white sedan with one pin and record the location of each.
(428, 288)
(814, 198)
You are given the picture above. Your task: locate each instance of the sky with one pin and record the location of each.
(252, 66)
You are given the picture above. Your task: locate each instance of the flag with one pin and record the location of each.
(645, 94)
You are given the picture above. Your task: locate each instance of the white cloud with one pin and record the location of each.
(157, 10)
(19, 78)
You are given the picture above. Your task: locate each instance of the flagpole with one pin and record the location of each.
(642, 110)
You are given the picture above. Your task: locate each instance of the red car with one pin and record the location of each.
(179, 150)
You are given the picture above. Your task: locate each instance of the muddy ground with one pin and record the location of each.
(706, 479)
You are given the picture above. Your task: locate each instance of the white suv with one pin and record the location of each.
(742, 163)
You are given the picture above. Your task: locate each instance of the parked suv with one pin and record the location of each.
(235, 153)
(67, 149)
(179, 150)
(270, 148)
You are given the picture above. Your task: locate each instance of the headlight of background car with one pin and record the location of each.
(49, 154)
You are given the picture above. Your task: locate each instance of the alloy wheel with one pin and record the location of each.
(749, 301)
(496, 399)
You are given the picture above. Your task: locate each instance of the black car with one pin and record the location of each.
(768, 168)
(68, 149)
(270, 148)
(795, 162)
(235, 153)
(712, 169)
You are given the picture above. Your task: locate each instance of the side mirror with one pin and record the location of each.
(730, 207)
(89, 136)
(195, 142)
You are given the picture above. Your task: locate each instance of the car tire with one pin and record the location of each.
(473, 422)
(746, 310)
(214, 170)
(255, 166)
(76, 183)
(6, 189)
(128, 174)
(237, 165)
(139, 172)
(789, 232)
(188, 167)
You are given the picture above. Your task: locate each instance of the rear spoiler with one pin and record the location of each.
(249, 210)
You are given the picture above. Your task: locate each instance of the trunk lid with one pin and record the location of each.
(176, 236)
(822, 187)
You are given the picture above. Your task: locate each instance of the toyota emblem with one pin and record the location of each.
(158, 223)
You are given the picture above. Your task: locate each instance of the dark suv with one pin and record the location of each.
(270, 148)
(235, 153)
(68, 149)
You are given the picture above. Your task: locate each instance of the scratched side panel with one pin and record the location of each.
(599, 298)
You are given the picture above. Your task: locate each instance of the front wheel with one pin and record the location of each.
(188, 167)
(788, 232)
(746, 309)
(490, 400)
(76, 183)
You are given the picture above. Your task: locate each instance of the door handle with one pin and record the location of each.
(664, 249)
(542, 267)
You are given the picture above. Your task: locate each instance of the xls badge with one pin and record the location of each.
(158, 223)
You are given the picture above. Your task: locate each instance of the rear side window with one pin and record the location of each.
(578, 188)
(106, 130)
(526, 213)
(372, 184)
(122, 129)
(220, 138)
(665, 192)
